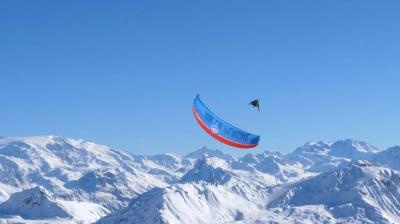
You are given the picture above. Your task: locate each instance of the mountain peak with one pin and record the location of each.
(389, 157)
(34, 203)
(359, 145)
(359, 191)
(353, 149)
(198, 154)
(208, 169)
(319, 147)
(98, 178)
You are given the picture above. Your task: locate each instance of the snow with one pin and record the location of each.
(359, 191)
(62, 165)
(198, 154)
(353, 149)
(38, 204)
(210, 170)
(84, 211)
(75, 181)
(188, 203)
(389, 158)
(35, 203)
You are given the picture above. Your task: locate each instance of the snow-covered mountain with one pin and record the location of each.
(81, 182)
(211, 192)
(271, 163)
(389, 158)
(38, 204)
(35, 203)
(210, 170)
(358, 192)
(72, 170)
(198, 154)
(324, 156)
(353, 149)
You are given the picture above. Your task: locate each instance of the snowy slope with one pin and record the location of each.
(188, 203)
(360, 191)
(167, 167)
(211, 192)
(324, 156)
(210, 170)
(72, 170)
(272, 164)
(84, 212)
(389, 158)
(198, 154)
(353, 149)
(35, 203)
(345, 195)
(320, 182)
(38, 204)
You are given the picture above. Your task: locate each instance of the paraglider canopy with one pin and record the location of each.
(255, 104)
(222, 130)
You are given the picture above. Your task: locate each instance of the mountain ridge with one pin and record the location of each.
(109, 180)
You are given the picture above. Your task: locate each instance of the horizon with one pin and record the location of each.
(125, 74)
(232, 153)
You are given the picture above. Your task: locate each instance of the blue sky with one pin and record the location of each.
(124, 73)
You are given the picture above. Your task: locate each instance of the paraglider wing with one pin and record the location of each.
(221, 130)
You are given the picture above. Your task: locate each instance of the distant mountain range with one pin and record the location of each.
(60, 180)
